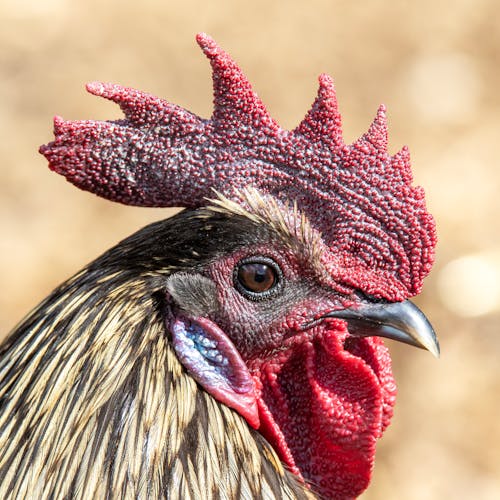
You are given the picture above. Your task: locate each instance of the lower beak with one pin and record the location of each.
(402, 321)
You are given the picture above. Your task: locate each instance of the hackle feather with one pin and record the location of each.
(95, 404)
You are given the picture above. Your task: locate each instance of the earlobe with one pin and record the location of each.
(212, 360)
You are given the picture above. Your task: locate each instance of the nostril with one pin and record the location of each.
(367, 297)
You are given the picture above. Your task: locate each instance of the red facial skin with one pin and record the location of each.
(323, 408)
(324, 398)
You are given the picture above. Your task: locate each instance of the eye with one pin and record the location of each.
(257, 277)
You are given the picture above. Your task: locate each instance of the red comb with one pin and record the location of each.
(358, 196)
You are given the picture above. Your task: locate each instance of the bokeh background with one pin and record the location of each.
(434, 63)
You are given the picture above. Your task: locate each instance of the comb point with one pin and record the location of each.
(207, 44)
(95, 88)
(378, 133)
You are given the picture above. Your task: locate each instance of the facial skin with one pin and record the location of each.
(278, 332)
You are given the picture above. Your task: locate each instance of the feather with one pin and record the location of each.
(95, 403)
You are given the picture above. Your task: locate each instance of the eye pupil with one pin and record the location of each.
(260, 274)
(256, 277)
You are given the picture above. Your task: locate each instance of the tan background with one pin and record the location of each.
(434, 63)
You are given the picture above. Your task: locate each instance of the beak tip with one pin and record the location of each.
(435, 349)
(429, 341)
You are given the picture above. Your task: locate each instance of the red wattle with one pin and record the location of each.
(323, 408)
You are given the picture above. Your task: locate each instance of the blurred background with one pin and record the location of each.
(434, 63)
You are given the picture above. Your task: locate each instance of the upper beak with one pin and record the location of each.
(402, 321)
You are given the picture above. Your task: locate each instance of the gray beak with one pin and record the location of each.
(402, 321)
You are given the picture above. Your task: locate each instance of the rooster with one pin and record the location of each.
(233, 350)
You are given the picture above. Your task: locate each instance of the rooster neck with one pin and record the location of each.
(96, 404)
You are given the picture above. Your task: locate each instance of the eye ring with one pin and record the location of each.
(258, 278)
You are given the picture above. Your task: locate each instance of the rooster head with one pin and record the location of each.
(300, 254)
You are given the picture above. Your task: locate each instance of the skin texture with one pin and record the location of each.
(342, 227)
(318, 403)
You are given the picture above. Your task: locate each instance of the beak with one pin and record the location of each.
(402, 321)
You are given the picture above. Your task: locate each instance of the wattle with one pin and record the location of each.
(323, 402)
